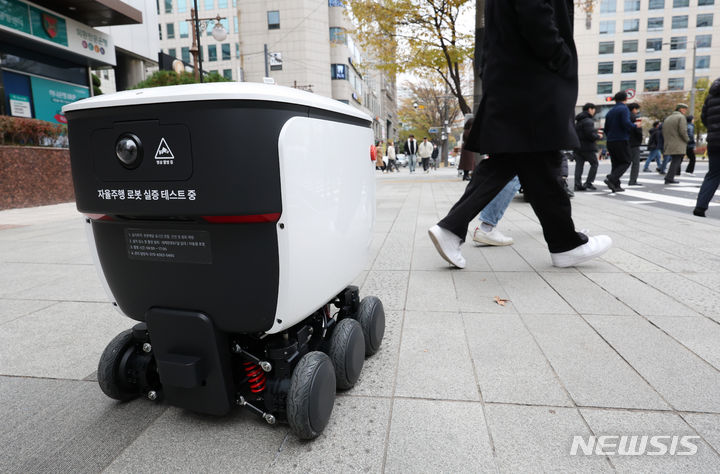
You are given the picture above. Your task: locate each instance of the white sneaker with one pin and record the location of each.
(447, 245)
(594, 247)
(494, 237)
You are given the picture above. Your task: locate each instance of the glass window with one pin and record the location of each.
(654, 44)
(702, 62)
(629, 66)
(212, 52)
(705, 2)
(632, 5)
(604, 87)
(273, 20)
(704, 20)
(185, 54)
(676, 84)
(338, 71)
(159, 31)
(625, 85)
(607, 47)
(170, 30)
(237, 50)
(608, 6)
(630, 46)
(607, 27)
(222, 3)
(336, 3)
(168, 6)
(652, 85)
(677, 64)
(678, 42)
(227, 73)
(225, 51)
(225, 24)
(172, 52)
(337, 35)
(605, 67)
(679, 22)
(680, 3)
(703, 41)
(652, 65)
(655, 23)
(235, 25)
(184, 29)
(632, 24)
(182, 6)
(209, 4)
(656, 5)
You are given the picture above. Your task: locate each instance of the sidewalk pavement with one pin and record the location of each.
(624, 345)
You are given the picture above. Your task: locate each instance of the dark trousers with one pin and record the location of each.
(425, 163)
(540, 177)
(619, 160)
(691, 160)
(711, 181)
(634, 164)
(674, 168)
(582, 157)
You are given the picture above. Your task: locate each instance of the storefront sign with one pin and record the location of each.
(14, 14)
(20, 106)
(49, 97)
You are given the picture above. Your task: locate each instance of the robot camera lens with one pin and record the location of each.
(128, 151)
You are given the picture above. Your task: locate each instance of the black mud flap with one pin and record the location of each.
(193, 360)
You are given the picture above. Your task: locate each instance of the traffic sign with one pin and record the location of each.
(630, 93)
(608, 99)
(433, 130)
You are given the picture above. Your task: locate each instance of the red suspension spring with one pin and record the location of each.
(256, 377)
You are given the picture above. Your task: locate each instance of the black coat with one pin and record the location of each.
(586, 131)
(711, 116)
(653, 141)
(529, 78)
(636, 135)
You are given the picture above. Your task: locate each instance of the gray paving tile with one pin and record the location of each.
(707, 425)
(585, 296)
(620, 422)
(395, 254)
(62, 341)
(508, 363)
(354, 440)
(531, 294)
(27, 251)
(181, 441)
(538, 439)
(455, 439)
(628, 262)
(504, 259)
(700, 335)
(641, 297)
(377, 378)
(593, 373)
(434, 359)
(390, 286)
(684, 380)
(78, 283)
(16, 277)
(691, 293)
(65, 426)
(13, 309)
(476, 293)
(432, 291)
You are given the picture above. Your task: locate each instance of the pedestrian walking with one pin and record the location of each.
(528, 57)
(588, 136)
(435, 157)
(636, 138)
(654, 147)
(711, 118)
(467, 158)
(618, 127)
(379, 161)
(392, 157)
(425, 152)
(411, 149)
(690, 152)
(675, 136)
(487, 233)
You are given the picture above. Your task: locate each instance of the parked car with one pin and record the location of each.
(451, 160)
(401, 159)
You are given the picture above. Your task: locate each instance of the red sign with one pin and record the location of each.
(49, 25)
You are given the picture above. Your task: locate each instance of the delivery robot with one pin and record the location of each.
(230, 220)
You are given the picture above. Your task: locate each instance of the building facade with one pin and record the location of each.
(647, 46)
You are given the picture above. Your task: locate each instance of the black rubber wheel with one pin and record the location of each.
(347, 352)
(311, 397)
(115, 355)
(371, 317)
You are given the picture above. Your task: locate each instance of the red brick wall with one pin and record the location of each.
(34, 176)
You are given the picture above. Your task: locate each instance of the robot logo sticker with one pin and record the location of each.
(163, 155)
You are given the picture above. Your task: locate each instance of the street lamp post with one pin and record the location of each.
(218, 33)
(692, 81)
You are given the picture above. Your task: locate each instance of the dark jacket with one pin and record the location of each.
(467, 158)
(636, 135)
(653, 140)
(411, 148)
(617, 123)
(586, 131)
(691, 134)
(711, 117)
(529, 78)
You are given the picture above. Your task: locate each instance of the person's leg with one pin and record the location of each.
(488, 178)
(620, 160)
(593, 160)
(412, 159)
(691, 160)
(664, 164)
(579, 165)
(493, 212)
(634, 164)
(541, 179)
(710, 183)
(675, 163)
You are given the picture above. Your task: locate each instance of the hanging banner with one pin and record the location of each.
(49, 97)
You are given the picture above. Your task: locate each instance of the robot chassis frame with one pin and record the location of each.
(288, 377)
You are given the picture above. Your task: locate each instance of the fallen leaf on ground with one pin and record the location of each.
(500, 301)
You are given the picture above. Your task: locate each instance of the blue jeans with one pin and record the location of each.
(665, 161)
(710, 183)
(656, 156)
(493, 212)
(412, 160)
